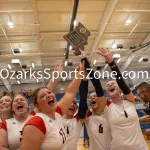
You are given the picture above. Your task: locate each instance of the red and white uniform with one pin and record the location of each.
(98, 132)
(33, 113)
(73, 128)
(126, 132)
(55, 135)
(14, 132)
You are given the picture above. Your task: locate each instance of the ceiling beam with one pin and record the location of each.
(19, 34)
(36, 21)
(5, 81)
(133, 1)
(133, 11)
(61, 32)
(20, 24)
(107, 15)
(14, 1)
(15, 11)
(19, 41)
(8, 41)
(6, 84)
(134, 54)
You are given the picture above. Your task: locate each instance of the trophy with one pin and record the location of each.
(78, 38)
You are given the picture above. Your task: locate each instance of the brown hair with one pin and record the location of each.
(34, 95)
(143, 86)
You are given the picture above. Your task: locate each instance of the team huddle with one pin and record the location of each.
(111, 124)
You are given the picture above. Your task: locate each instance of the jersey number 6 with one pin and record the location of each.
(100, 128)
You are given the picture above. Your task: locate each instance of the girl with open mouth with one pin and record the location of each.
(121, 112)
(11, 129)
(46, 128)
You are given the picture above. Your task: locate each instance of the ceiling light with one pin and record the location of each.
(140, 59)
(10, 24)
(62, 89)
(94, 62)
(116, 55)
(33, 65)
(118, 60)
(105, 66)
(70, 48)
(20, 49)
(66, 63)
(18, 81)
(75, 22)
(14, 61)
(9, 66)
(128, 21)
(114, 46)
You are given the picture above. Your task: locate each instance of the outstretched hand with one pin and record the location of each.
(58, 68)
(106, 54)
(82, 54)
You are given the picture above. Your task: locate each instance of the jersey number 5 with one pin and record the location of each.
(100, 128)
(61, 132)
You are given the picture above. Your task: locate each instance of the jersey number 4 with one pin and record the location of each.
(61, 132)
(100, 128)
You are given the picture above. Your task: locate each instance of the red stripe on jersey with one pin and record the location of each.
(3, 125)
(77, 117)
(58, 110)
(33, 113)
(37, 122)
(108, 103)
(89, 113)
(125, 98)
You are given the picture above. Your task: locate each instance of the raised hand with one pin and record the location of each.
(82, 54)
(106, 54)
(58, 68)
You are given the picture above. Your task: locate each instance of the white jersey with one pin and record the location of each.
(98, 132)
(14, 132)
(73, 128)
(55, 135)
(125, 129)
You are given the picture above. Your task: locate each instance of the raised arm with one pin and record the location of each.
(70, 94)
(53, 82)
(120, 81)
(96, 83)
(83, 91)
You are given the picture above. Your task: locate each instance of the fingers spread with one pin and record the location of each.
(101, 53)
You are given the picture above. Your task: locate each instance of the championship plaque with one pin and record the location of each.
(77, 38)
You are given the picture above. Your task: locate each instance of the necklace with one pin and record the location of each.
(125, 113)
